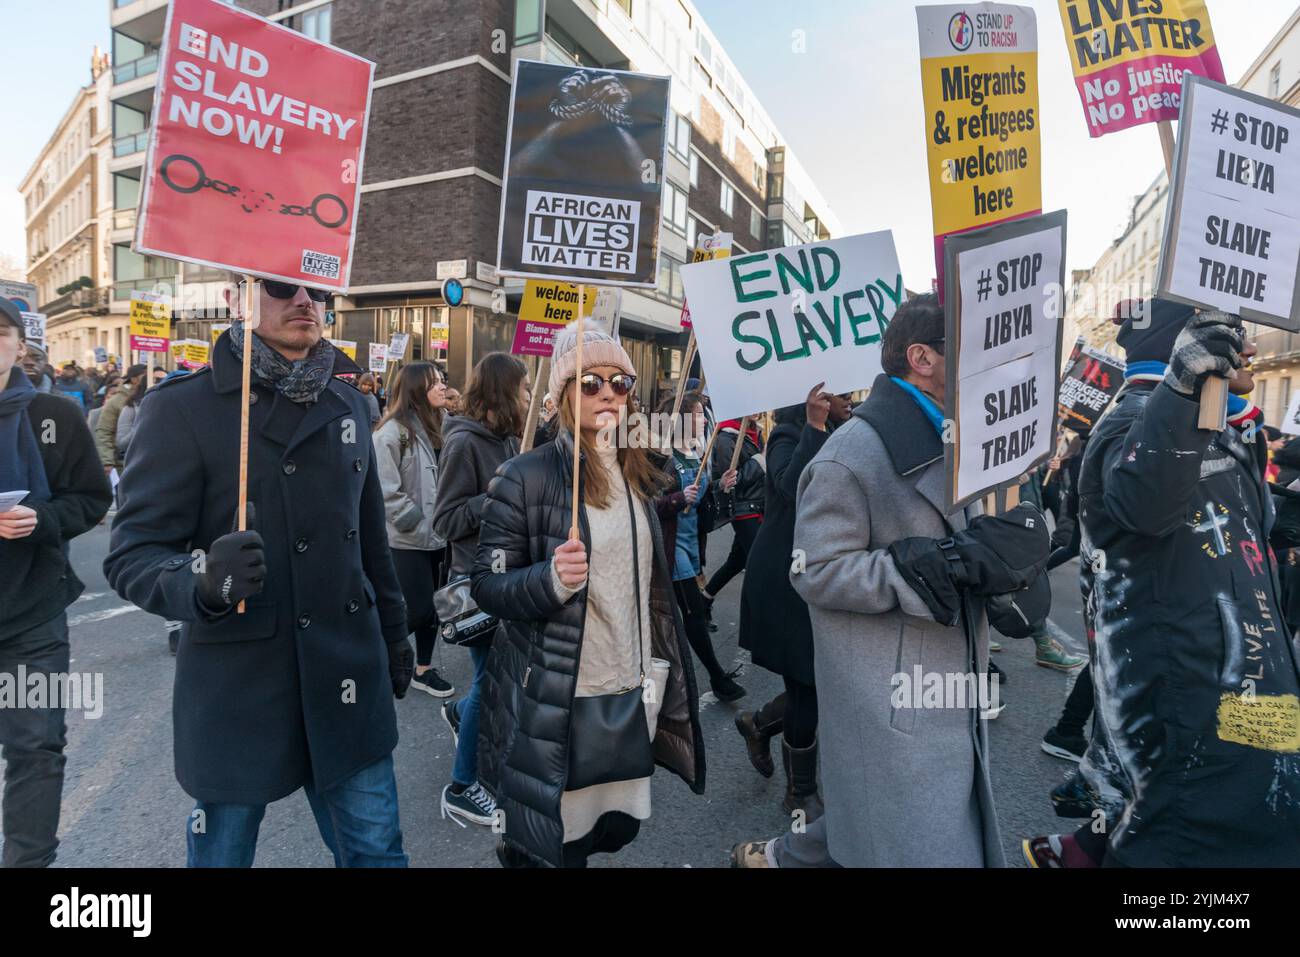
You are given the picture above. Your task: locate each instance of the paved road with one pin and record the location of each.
(122, 806)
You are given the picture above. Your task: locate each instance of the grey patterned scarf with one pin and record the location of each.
(302, 381)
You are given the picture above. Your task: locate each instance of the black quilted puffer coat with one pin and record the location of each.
(532, 670)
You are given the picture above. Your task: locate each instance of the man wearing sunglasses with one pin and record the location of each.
(295, 689)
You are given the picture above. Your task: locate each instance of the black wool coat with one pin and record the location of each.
(774, 623)
(532, 669)
(296, 689)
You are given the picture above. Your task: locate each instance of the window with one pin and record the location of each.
(679, 136)
(695, 169)
(315, 23)
(528, 21)
(692, 231)
(625, 6)
(759, 177)
(1275, 81)
(700, 78)
(675, 208)
(728, 199)
(755, 223)
(1261, 398)
(670, 278)
(126, 191)
(1284, 400)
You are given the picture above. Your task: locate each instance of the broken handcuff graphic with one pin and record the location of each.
(250, 202)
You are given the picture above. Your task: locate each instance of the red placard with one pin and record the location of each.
(255, 153)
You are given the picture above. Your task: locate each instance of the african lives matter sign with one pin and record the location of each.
(584, 174)
(255, 153)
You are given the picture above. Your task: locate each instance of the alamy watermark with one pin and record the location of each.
(75, 691)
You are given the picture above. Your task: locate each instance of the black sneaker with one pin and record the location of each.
(453, 722)
(473, 804)
(432, 683)
(1064, 746)
(726, 688)
(1073, 798)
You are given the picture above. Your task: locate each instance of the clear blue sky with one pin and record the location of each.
(850, 107)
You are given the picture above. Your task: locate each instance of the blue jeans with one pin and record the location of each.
(465, 770)
(357, 821)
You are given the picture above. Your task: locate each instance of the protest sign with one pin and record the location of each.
(101, 355)
(21, 294)
(177, 349)
(217, 329)
(378, 356)
(584, 175)
(716, 246)
(979, 81)
(1130, 58)
(1003, 350)
(545, 309)
(151, 322)
(196, 354)
(255, 150)
(347, 346)
(34, 326)
(782, 320)
(397, 346)
(1091, 381)
(1291, 421)
(439, 329)
(1232, 233)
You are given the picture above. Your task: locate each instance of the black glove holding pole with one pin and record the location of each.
(1210, 344)
(234, 569)
(401, 667)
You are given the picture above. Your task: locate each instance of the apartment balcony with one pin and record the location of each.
(141, 20)
(130, 144)
(94, 301)
(145, 66)
(124, 218)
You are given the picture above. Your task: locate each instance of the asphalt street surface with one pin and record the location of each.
(122, 806)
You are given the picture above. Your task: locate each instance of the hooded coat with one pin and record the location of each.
(904, 786)
(1197, 730)
(471, 454)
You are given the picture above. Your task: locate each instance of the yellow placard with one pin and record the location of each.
(347, 346)
(1265, 722)
(151, 319)
(554, 303)
(982, 138)
(217, 329)
(178, 350)
(197, 352)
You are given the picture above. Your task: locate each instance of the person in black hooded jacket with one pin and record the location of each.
(474, 446)
(1195, 753)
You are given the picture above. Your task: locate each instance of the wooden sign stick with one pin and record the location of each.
(535, 404)
(686, 373)
(577, 421)
(249, 307)
(740, 443)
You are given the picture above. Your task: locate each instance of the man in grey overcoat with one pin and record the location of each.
(904, 786)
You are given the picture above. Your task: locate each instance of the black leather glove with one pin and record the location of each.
(930, 571)
(235, 568)
(1210, 344)
(401, 666)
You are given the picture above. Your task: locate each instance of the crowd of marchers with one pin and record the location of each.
(377, 515)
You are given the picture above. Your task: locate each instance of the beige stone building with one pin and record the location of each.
(67, 210)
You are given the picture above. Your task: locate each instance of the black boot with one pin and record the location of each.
(801, 781)
(758, 728)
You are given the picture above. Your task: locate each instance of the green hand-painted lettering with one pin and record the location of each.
(738, 281)
(749, 365)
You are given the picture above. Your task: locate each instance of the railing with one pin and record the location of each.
(93, 299)
(131, 143)
(143, 66)
(124, 219)
(1276, 344)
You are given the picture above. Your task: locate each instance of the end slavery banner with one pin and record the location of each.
(255, 153)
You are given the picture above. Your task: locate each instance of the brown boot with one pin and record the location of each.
(758, 728)
(750, 854)
(801, 781)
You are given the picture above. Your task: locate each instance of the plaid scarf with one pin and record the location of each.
(302, 381)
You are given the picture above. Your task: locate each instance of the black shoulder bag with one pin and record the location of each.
(609, 735)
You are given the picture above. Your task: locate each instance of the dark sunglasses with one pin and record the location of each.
(287, 290)
(620, 382)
